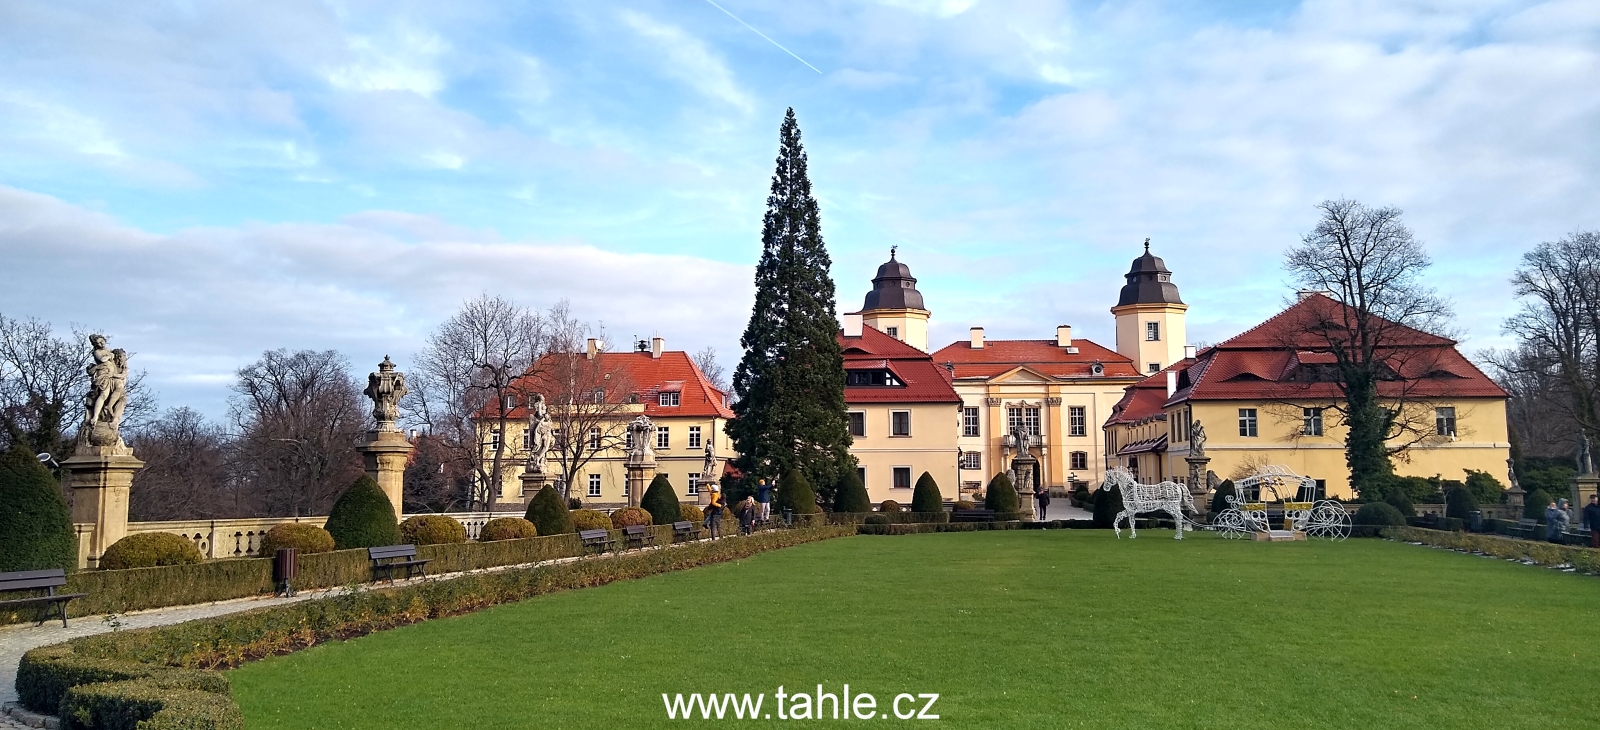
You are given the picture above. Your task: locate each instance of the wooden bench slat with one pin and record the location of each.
(23, 585)
(23, 580)
(23, 574)
(392, 551)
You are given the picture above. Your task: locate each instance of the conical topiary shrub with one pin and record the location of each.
(1534, 504)
(1107, 504)
(1459, 503)
(851, 495)
(1219, 498)
(1000, 496)
(926, 497)
(548, 512)
(660, 501)
(363, 517)
(795, 493)
(35, 525)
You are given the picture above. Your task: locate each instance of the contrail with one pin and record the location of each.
(764, 35)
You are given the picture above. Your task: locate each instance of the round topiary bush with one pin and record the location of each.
(149, 549)
(574, 503)
(363, 517)
(851, 494)
(1379, 513)
(629, 517)
(966, 504)
(548, 512)
(308, 539)
(35, 524)
(661, 501)
(889, 505)
(691, 512)
(1400, 500)
(1534, 504)
(1001, 496)
(1460, 503)
(926, 497)
(877, 520)
(432, 530)
(590, 519)
(795, 493)
(507, 528)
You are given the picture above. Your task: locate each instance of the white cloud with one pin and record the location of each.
(936, 8)
(402, 60)
(689, 60)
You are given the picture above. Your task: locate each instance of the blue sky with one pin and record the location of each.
(205, 181)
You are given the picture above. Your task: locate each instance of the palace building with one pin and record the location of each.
(1269, 396)
(902, 411)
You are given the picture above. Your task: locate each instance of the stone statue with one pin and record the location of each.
(1020, 435)
(640, 432)
(108, 394)
(541, 436)
(708, 471)
(1197, 440)
(1511, 475)
(1585, 457)
(386, 387)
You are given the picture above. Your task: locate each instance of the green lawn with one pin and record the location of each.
(1048, 629)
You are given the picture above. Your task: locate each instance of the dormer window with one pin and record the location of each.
(668, 400)
(1163, 277)
(511, 402)
(862, 378)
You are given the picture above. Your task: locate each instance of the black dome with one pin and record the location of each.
(1149, 282)
(893, 288)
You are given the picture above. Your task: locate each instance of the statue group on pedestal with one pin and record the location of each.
(108, 394)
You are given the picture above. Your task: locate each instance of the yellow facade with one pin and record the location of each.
(906, 325)
(1060, 443)
(929, 447)
(1152, 335)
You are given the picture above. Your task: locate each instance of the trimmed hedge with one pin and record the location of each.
(432, 530)
(795, 493)
(889, 518)
(548, 512)
(630, 517)
(661, 501)
(105, 681)
(306, 538)
(1582, 559)
(590, 519)
(878, 528)
(35, 524)
(1378, 513)
(851, 495)
(926, 496)
(507, 528)
(150, 549)
(1000, 495)
(363, 517)
(890, 506)
(691, 512)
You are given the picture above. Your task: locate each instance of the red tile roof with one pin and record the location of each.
(1146, 398)
(924, 381)
(1044, 356)
(648, 377)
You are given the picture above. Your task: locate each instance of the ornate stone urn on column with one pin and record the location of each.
(1197, 461)
(1023, 466)
(386, 450)
(641, 462)
(100, 471)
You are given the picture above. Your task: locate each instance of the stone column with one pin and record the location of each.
(1024, 465)
(1197, 482)
(100, 477)
(640, 473)
(385, 454)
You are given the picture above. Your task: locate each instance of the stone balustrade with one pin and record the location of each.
(241, 538)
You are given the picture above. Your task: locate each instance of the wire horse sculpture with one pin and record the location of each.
(1247, 510)
(1170, 497)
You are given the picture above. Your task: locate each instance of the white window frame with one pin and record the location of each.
(594, 485)
(972, 460)
(494, 439)
(1152, 331)
(1248, 423)
(663, 437)
(1079, 461)
(853, 418)
(668, 400)
(896, 471)
(594, 439)
(694, 483)
(893, 332)
(1311, 421)
(1024, 415)
(694, 437)
(1444, 420)
(1152, 368)
(892, 424)
(511, 401)
(1077, 421)
(971, 422)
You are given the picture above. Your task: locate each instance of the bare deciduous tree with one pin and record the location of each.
(590, 399)
(298, 416)
(1555, 368)
(185, 474)
(706, 360)
(43, 382)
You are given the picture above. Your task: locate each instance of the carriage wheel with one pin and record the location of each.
(1329, 521)
(1230, 523)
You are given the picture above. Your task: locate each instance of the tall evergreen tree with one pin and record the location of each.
(790, 383)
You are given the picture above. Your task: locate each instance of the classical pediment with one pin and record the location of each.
(1022, 374)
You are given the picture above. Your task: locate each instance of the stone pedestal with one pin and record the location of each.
(1583, 485)
(532, 483)
(100, 477)
(1023, 465)
(639, 477)
(1515, 497)
(385, 455)
(1197, 482)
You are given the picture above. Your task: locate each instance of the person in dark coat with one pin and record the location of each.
(1591, 520)
(1041, 497)
(1555, 521)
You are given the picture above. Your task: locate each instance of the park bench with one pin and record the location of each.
(685, 531)
(598, 540)
(972, 515)
(32, 580)
(1528, 527)
(386, 559)
(638, 535)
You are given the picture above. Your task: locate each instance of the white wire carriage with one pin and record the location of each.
(1247, 506)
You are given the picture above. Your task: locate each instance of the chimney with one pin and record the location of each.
(977, 338)
(1064, 335)
(657, 344)
(852, 324)
(594, 347)
(1172, 382)
(1188, 352)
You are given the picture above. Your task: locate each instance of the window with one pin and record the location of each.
(494, 439)
(969, 421)
(1080, 460)
(511, 401)
(1152, 331)
(1444, 421)
(1023, 417)
(663, 437)
(594, 439)
(1313, 421)
(527, 439)
(1154, 367)
(668, 400)
(1077, 421)
(598, 395)
(694, 437)
(894, 332)
(1247, 422)
(858, 424)
(861, 472)
(858, 378)
(972, 460)
(902, 477)
(594, 485)
(900, 423)
(694, 483)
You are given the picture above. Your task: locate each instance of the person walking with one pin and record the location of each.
(714, 512)
(1555, 521)
(746, 512)
(1041, 497)
(1591, 520)
(764, 499)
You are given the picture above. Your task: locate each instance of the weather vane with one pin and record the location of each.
(1147, 245)
(892, 250)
